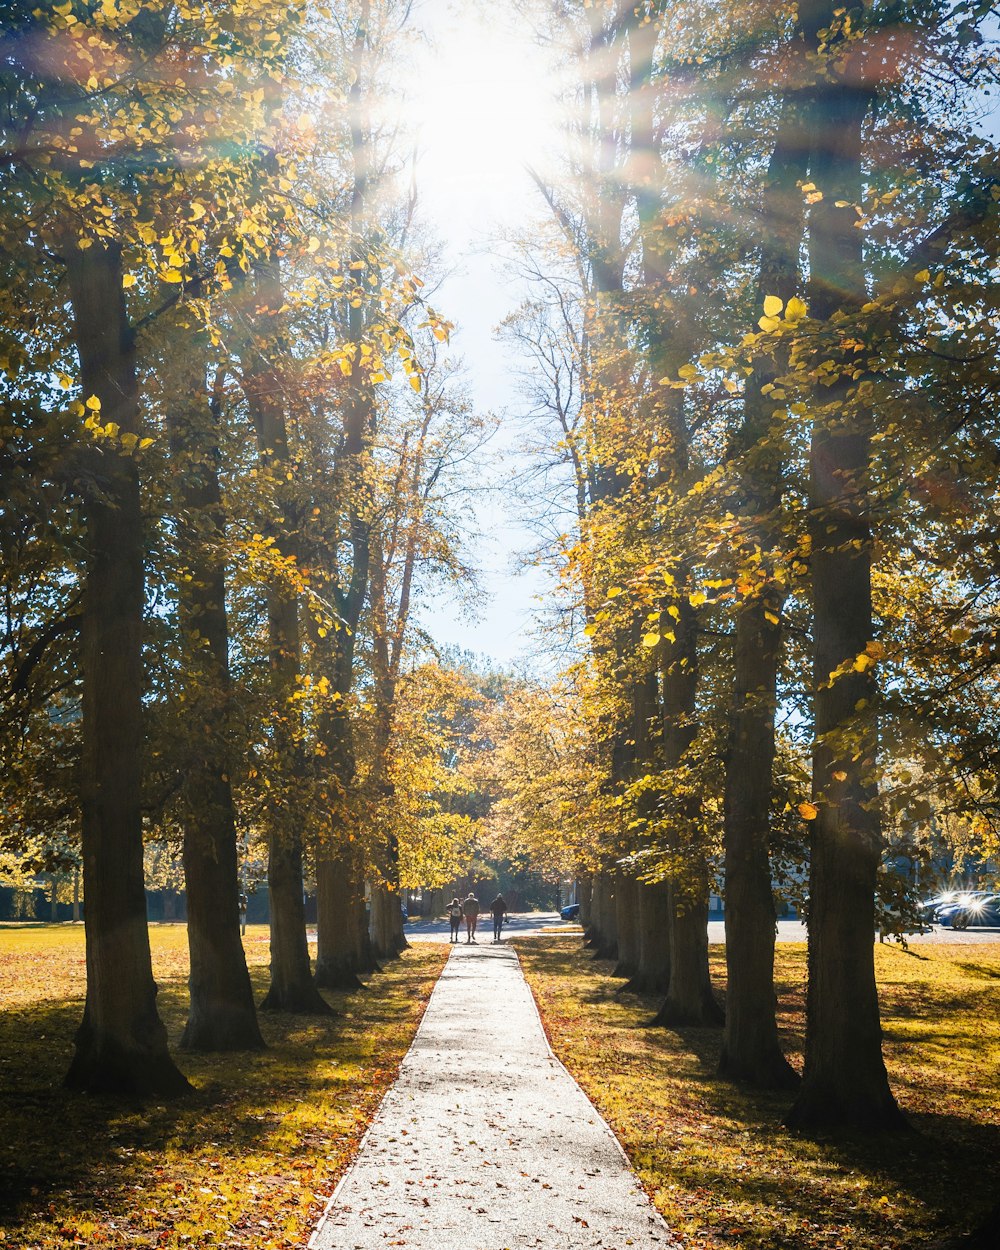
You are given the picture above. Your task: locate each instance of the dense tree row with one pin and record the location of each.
(229, 450)
(764, 338)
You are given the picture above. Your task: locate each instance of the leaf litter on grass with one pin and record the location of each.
(715, 1157)
(247, 1162)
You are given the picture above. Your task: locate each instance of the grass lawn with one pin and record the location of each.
(715, 1157)
(247, 1162)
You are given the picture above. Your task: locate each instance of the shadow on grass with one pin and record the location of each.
(96, 1153)
(986, 971)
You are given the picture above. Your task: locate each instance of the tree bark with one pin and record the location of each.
(584, 891)
(653, 973)
(339, 891)
(844, 1081)
(751, 1051)
(592, 934)
(690, 1001)
(606, 941)
(388, 939)
(627, 924)
(121, 1045)
(222, 1015)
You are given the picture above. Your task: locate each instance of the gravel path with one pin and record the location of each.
(485, 1142)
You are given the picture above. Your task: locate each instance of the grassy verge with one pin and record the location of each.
(715, 1157)
(248, 1161)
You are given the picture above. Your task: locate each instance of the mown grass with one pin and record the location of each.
(715, 1157)
(247, 1161)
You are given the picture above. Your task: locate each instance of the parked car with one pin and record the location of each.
(931, 907)
(570, 912)
(971, 909)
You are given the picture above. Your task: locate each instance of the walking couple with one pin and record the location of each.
(469, 908)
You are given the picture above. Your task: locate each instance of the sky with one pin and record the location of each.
(480, 99)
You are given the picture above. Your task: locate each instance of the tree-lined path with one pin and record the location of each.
(486, 1140)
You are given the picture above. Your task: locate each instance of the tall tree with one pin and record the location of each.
(750, 1048)
(844, 1079)
(221, 1014)
(121, 1045)
(267, 384)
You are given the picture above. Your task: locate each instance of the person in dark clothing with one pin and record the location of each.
(455, 918)
(499, 909)
(470, 909)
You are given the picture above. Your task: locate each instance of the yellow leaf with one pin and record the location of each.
(840, 775)
(923, 276)
(415, 382)
(94, 404)
(313, 245)
(697, 599)
(863, 662)
(795, 309)
(128, 280)
(590, 630)
(768, 323)
(773, 306)
(170, 275)
(808, 811)
(650, 640)
(614, 592)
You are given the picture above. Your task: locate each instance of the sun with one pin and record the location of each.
(481, 102)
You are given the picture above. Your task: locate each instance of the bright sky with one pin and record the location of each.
(481, 103)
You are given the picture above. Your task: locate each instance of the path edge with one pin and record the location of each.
(345, 1176)
(597, 1111)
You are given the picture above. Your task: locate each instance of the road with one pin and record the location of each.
(545, 923)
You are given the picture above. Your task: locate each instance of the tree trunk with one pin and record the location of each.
(76, 895)
(388, 938)
(606, 944)
(750, 1048)
(121, 1045)
(292, 987)
(690, 1001)
(584, 890)
(844, 1081)
(652, 976)
(592, 934)
(339, 894)
(689, 994)
(627, 924)
(222, 1015)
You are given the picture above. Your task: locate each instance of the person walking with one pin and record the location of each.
(499, 909)
(470, 909)
(455, 917)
